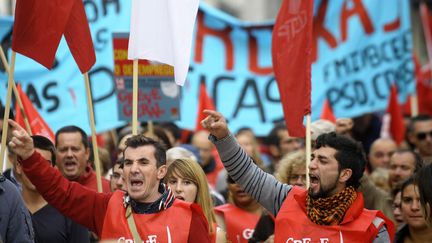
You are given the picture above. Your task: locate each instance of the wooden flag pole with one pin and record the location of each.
(150, 129)
(93, 133)
(308, 148)
(15, 90)
(7, 109)
(414, 104)
(135, 98)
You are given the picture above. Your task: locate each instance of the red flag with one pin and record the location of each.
(397, 126)
(424, 90)
(424, 79)
(37, 123)
(205, 102)
(40, 24)
(291, 56)
(327, 112)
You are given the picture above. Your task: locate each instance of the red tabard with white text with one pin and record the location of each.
(293, 225)
(170, 225)
(239, 224)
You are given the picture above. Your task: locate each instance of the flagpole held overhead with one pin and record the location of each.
(135, 97)
(7, 109)
(14, 88)
(308, 147)
(292, 60)
(93, 133)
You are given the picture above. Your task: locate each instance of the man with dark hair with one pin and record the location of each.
(73, 157)
(424, 181)
(419, 131)
(44, 144)
(146, 212)
(116, 176)
(49, 224)
(173, 132)
(331, 210)
(280, 143)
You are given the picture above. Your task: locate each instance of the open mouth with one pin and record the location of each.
(136, 183)
(180, 197)
(313, 179)
(70, 165)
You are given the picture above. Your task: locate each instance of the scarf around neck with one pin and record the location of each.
(330, 210)
(164, 202)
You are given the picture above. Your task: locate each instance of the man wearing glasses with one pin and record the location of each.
(420, 136)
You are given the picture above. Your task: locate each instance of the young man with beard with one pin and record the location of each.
(330, 211)
(146, 212)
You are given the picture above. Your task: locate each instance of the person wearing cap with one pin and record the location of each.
(48, 223)
(146, 212)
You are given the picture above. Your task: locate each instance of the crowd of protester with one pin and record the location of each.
(213, 185)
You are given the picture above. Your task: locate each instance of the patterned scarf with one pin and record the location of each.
(164, 202)
(330, 210)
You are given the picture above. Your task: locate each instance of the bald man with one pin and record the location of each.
(380, 152)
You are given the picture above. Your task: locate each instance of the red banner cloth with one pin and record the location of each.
(291, 56)
(40, 24)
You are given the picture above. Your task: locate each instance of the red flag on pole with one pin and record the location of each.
(327, 112)
(291, 56)
(37, 123)
(397, 126)
(424, 90)
(40, 24)
(205, 102)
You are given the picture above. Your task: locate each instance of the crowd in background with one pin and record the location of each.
(196, 174)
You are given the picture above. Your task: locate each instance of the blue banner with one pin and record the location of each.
(360, 51)
(362, 47)
(59, 94)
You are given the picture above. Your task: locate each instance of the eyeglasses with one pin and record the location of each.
(423, 135)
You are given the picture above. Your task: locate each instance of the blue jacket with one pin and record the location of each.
(15, 221)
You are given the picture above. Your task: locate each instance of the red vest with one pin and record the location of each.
(239, 224)
(170, 225)
(358, 225)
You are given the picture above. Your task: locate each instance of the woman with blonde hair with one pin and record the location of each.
(188, 182)
(292, 169)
